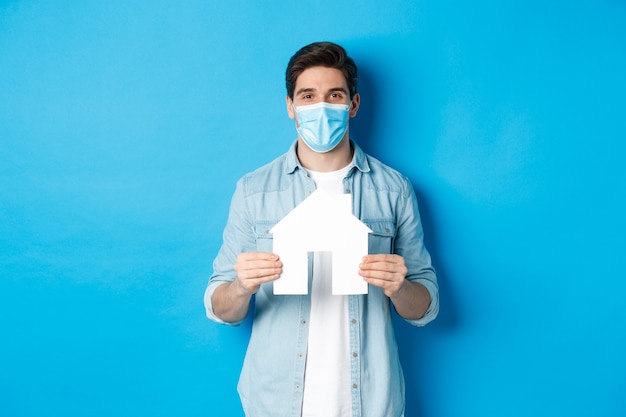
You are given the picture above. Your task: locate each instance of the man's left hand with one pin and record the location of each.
(387, 271)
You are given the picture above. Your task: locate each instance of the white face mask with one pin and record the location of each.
(322, 125)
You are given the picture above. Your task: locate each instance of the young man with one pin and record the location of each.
(322, 354)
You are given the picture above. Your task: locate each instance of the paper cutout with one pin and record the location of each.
(322, 222)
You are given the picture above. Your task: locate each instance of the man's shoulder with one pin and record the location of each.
(382, 168)
(264, 177)
(383, 176)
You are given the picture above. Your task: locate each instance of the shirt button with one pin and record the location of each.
(297, 386)
(354, 354)
(303, 321)
(354, 386)
(353, 321)
(347, 191)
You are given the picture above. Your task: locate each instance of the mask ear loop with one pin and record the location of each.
(295, 113)
(350, 107)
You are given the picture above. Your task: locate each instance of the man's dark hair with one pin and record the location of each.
(321, 54)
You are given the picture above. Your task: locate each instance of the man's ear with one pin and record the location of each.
(356, 102)
(290, 111)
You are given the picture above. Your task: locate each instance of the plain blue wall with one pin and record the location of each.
(125, 125)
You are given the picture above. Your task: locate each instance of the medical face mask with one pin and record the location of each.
(322, 125)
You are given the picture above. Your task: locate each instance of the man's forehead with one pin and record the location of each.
(315, 76)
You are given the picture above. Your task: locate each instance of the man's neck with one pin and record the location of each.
(338, 158)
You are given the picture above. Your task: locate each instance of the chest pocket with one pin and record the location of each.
(382, 236)
(262, 235)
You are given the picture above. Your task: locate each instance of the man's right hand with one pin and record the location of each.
(231, 300)
(256, 268)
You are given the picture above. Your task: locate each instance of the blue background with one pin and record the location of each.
(125, 125)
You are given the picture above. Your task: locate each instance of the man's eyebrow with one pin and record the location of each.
(313, 90)
(305, 90)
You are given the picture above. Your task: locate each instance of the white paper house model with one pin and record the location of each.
(322, 222)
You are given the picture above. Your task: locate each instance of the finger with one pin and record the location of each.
(258, 271)
(376, 282)
(393, 264)
(378, 266)
(251, 264)
(389, 259)
(257, 264)
(383, 266)
(378, 275)
(255, 282)
(251, 280)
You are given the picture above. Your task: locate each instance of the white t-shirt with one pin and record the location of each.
(327, 390)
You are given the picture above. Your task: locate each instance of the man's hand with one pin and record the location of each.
(256, 268)
(231, 300)
(410, 299)
(385, 271)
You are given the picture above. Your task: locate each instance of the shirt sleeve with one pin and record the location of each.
(238, 237)
(409, 243)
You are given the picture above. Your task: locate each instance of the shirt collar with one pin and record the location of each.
(359, 159)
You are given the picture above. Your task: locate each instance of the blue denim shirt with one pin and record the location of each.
(271, 381)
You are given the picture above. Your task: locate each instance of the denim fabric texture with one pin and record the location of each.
(271, 381)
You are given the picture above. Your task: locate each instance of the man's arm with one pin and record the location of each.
(410, 299)
(231, 300)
